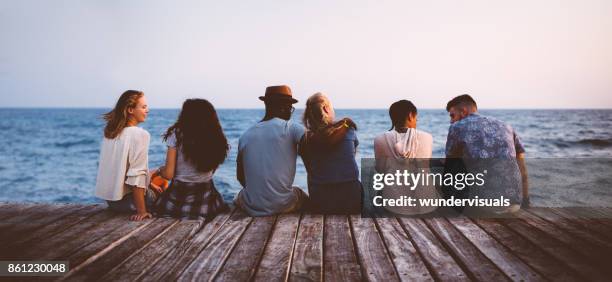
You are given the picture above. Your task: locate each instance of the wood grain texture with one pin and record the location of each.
(276, 258)
(140, 261)
(571, 238)
(208, 262)
(573, 228)
(442, 265)
(172, 264)
(560, 244)
(339, 258)
(375, 262)
(591, 224)
(73, 238)
(530, 253)
(29, 218)
(406, 259)
(555, 248)
(100, 264)
(64, 223)
(43, 228)
(8, 210)
(592, 213)
(307, 261)
(243, 261)
(514, 267)
(478, 266)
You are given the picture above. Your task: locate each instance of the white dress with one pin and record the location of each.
(123, 160)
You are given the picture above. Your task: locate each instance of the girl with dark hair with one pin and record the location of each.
(123, 167)
(328, 150)
(196, 148)
(404, 147)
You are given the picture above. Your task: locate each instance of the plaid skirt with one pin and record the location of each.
(186, 200)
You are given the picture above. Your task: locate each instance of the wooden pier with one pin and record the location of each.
(569, 244)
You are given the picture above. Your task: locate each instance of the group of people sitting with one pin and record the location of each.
(267, 155)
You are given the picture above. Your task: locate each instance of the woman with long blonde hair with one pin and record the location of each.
(123, 174)
(328, 150)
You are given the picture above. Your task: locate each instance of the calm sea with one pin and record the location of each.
(51, 155)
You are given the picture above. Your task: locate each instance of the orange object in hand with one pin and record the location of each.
(159, 181)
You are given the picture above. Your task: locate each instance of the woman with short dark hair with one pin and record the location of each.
(404, 147)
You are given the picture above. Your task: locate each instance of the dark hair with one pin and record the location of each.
(400, 111)
(117, 118)
(199, 135)
(277, 108)
(461, 100)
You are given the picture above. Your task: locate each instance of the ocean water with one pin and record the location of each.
(51, 155)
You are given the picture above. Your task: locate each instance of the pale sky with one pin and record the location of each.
(363, 54)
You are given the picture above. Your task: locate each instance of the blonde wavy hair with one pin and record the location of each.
(117, 118)
(315, 117)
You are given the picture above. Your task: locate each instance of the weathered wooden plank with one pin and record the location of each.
(276, 259)
(72, 239)
(498, 254)
(591, 224)
(104, 236)
(140, 261)
(478, 266)
(596, 255)
(403, 253)
(26, 228)
(555, 248)
(607, 211)
(441, 264)
(530, 253)
(100, 264)
(66, 222)
(80, 255)
(12, 209)
(242, 262)
(376, 264)
(593, 214)
(339, 258)
(574, 229)
(171, 265)
(208, 262)
(307, 261)
(28, 216)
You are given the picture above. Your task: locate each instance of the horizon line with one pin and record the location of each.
(297, 108)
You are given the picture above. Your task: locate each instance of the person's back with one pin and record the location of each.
(196, 148)
(267, 154)
(405, 148)
(481, 144)
(336, 164)
(479, 137)
(328, 151)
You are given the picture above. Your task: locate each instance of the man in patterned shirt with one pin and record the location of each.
(492, 145)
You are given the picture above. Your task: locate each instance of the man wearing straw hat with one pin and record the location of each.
(267, 154)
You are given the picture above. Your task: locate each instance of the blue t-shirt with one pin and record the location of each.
(336, 164)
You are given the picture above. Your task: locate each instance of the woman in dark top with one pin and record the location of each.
(328, 150)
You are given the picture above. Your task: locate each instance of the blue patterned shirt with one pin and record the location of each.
(481, 137)
(488, 144)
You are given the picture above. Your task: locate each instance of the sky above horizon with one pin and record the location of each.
(362, 54)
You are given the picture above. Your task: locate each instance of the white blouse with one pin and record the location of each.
(123, 160)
